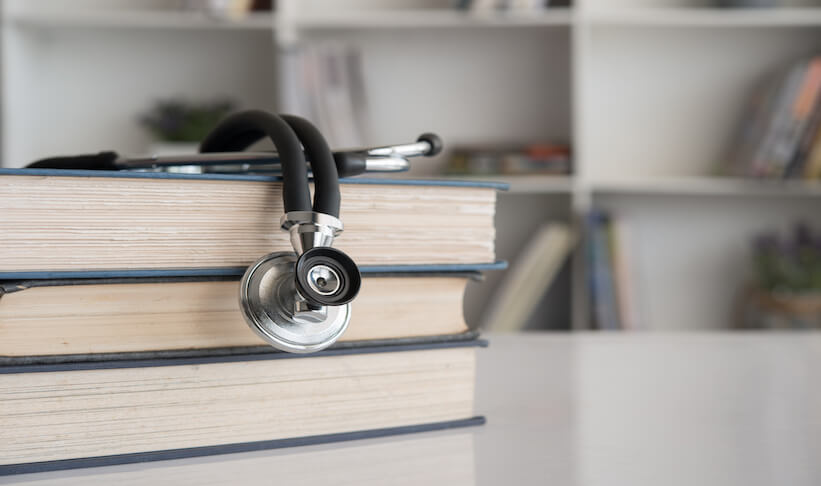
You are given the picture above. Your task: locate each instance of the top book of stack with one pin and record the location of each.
(56, 224)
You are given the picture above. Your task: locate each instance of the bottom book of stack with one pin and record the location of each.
(72, 411)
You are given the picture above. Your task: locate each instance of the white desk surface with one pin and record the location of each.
(587, 409)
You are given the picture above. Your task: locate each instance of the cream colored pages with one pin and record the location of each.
(82, 319)
(63, 415)
(84, 223)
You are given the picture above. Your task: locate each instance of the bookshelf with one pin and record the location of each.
(649, 93)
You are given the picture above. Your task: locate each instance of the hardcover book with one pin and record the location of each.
(121, 315)
(88, 413)
(59, 222)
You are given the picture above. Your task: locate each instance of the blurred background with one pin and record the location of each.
(662, 155)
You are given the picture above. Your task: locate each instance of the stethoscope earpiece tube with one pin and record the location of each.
(238, 131)
(326, 178)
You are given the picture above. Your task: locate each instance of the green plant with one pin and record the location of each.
(175, 120)
(789, 265)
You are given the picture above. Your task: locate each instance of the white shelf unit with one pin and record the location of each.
(139, 19)
(706, 17)
(429, 19)
(710, 186)
(649, 93)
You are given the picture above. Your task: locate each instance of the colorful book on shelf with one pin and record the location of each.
(801, 157)
(549, 159)
(800, 112)
(766, 161)
(127, 409)
(780, 130)
(753, 127)
(67, 224)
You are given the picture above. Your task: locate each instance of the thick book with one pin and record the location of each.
(120, 315)
(92, 413)
(103, 221)
(527, 282)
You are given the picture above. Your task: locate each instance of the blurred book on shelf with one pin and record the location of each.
(612, 295)
(231, 9)
(505, 5)
(325, 84)
(530, 277)
(780, 135)
(544, 159)
(786, 290)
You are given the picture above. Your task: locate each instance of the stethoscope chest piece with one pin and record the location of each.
(276, 311)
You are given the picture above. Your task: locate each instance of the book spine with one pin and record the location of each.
(603, 288)
(761, 163)
(801, 110)
(812, 166)
(625, 295)
(752, 129)
(799, 162)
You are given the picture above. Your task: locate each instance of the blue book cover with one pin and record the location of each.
(603, 289)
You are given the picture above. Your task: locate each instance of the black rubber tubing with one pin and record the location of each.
(236, 132)
(323, 165)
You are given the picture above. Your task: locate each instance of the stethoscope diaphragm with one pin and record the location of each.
(277, 313)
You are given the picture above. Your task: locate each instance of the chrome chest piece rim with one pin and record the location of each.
(267, 299)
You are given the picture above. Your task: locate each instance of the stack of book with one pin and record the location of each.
(121, 338)
(781, 134)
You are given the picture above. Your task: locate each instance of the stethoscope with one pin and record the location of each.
(296, 302)
(300, 301)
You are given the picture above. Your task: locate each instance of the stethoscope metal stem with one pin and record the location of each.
(390, 158)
